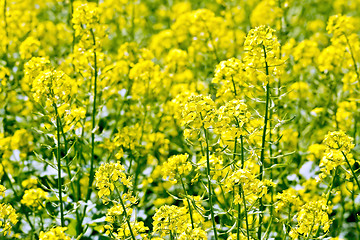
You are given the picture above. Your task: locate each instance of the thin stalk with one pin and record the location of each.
(209, 183)
(234, 86)
(125, 213)
(354, 208)
(71, 11)
(239, 219)
(91, 177)
(358, 77)
(59, 165)
(353, 58)
(6, 30)
(352, 170)
(190, 211)
(271, 169)
(234, 154)
(263, 141)
(245, 208)
(132, 32)
(329, 193)
(212, 43)
(241, 192)
(331, 186)
(357, 182)
(67, 159)
(287, 223)
(242, 151)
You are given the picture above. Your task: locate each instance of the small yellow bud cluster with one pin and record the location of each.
(253, 188)
(85, 19)
(176, 60)
(338, 146)
(29, 183)
(29, 47)
(117, 223)
(56, 233)
(127, 139)
(311, 217)
(194, 234)
(55, 86)
(262, 53)
(108, 175)
(34, 198)
(176, 167)
(198, 112)
(171, 218)
(287, 199)
(339, 141)
(231, 77)
(339, 25)
(8, 217)
(147, 79)
(32, 69)
(138, 228)
(2, 190)
(231, 119)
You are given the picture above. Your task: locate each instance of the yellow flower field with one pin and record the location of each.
(179, 119)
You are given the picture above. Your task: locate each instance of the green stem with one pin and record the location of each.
(186, 195)
(71, 11)
(209, 183)
(352, 170)
(239, 218)
(91, 177)
(353, 58)
(329, 193)
(263, 141)
(357, 182)
(354, 208)
(245, 208)
(125, 213)
(6, 30)
(59, 165)
(242, 151)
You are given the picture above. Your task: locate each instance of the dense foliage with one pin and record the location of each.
(157, 119)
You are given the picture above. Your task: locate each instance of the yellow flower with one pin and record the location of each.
(56, 233)
(198, 111)
(29, 183)
(8, 217)
(288, 198)
(311, 217)
(262, 50)
(176, 167)
(55, 87)
(253, 188)
(107, 175)
(85, 17)
(171, 218)
(339, 25)
(2, 190)
(29, 47)
(231, 77)
(193, 234)
(266, 12)
(34, 198)
(338, 140)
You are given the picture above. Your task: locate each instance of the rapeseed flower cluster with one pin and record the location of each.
(178, 120)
